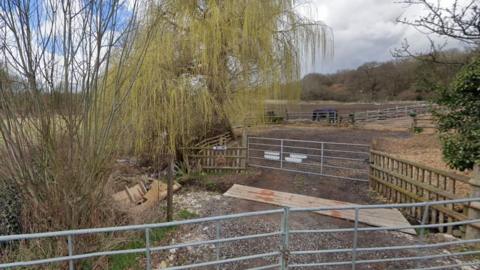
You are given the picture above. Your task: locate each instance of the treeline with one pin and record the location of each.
(400, 79)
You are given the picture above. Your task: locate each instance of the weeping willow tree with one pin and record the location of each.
(212, 63)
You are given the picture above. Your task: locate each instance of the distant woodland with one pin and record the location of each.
(406, 78)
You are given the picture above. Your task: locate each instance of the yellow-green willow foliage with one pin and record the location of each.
(215, 61)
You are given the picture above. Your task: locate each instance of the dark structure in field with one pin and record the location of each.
(329, 115)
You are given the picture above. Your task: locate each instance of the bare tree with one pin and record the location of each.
(369, 79)
(57, 124)
(459, 21)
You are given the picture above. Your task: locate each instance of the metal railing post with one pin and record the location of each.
(284, 253)
(147, 251)
(217, 245)
(71, 265)
(321, 159)
(355, 239)
(281, 153)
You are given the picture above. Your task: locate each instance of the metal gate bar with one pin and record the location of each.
(286, 253)
(331, 159)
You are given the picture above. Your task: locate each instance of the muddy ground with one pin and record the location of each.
(212, 203)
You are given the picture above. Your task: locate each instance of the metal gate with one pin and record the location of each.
(332, 159)
(229, 250)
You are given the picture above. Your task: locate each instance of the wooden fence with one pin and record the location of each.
(423, 122)
(393, 112)
(220, 158)
(221, 139)
(336, 118)
(402, 181)
(214, 155)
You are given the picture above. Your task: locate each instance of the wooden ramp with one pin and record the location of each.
(376, 217)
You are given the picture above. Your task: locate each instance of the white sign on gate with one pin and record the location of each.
(270, 155)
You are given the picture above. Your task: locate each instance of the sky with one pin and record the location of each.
(365, 30)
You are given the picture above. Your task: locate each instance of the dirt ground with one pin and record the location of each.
(396, 124)
(212, 203)
(422, 148)
(326, 133)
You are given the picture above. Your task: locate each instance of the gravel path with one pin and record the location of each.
(209, 204)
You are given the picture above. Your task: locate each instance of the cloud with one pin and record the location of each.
(364, 31)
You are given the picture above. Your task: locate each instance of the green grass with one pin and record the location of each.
(203, 180)
(426, 232)
(185, 214)
(417, 130)
(126, 261)
(130, 261)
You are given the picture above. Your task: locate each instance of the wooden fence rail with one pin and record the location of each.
(426, 121)
(221, 139)
(216, 158)
(402, 181)
(394, 112)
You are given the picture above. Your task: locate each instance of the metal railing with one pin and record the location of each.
(287, 255)
(332, 159)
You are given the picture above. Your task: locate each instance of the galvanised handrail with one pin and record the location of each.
(284, 251)
(307, 141)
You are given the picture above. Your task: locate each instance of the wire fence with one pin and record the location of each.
(286, 255)
(338, 160)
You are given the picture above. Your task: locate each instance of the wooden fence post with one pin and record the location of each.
(414, 123)
(244, 162)
(474, 212)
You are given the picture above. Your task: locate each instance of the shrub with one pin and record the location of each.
(271, 117)
(459, 118)
(9, 210)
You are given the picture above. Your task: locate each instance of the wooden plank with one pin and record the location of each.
(133, 194)
(157, 192)
(375, 217)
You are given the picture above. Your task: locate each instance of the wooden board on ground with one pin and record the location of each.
(156, 193)
(133, 194)
(376, 217)
(138, 198)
